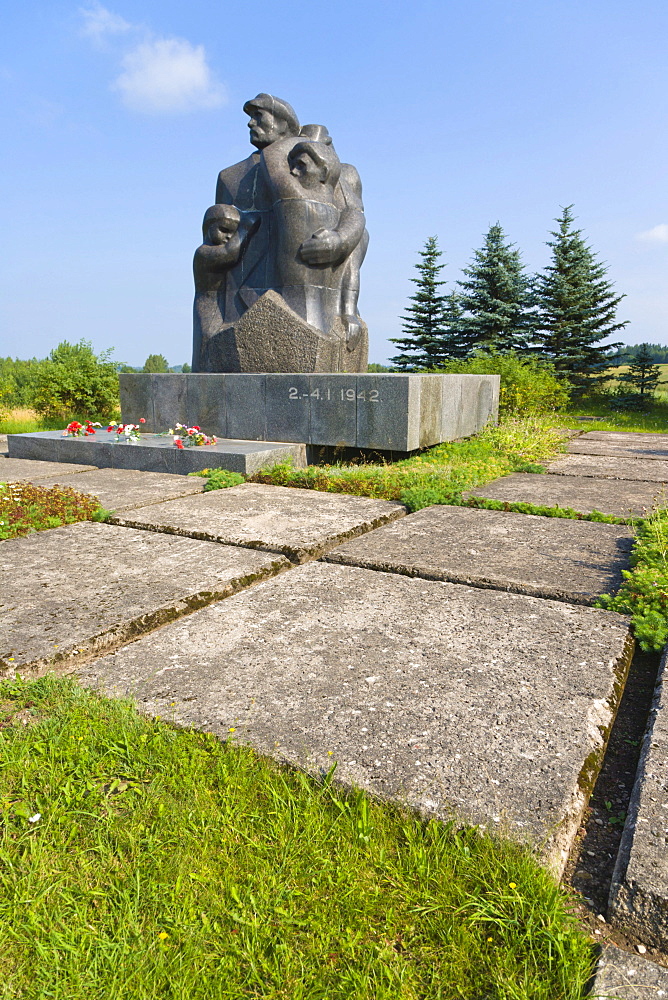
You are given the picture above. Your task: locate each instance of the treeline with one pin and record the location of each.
(560, 315)
(73, 380)
(629, 352)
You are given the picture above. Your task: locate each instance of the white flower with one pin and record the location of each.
(35, 818)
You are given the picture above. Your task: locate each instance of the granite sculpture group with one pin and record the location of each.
(277, 276)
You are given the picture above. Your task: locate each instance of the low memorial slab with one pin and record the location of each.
(302, 524)
(398, 413)
(639, 892)
(117, 489)
(621, 498)
(477, 704)
(155, 452)
(610, 467)
(87, 587)
(15, 470)
(623, 976)
(572, 561)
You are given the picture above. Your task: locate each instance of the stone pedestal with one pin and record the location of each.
(394, 413)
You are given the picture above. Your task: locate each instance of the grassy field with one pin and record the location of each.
(141, 861)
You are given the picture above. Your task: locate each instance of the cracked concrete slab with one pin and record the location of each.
(86, 587)
(639, 890)
(302, 524)
(483, 705)
(607, 467)
(572, 561)
(16, 470)
(623, 976)
(621, 498)
(119, 489)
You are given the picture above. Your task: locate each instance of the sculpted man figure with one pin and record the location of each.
(277, 277)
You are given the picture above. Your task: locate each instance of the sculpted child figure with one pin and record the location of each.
(223, 243)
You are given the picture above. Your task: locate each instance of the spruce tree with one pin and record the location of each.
(576, 308)
(495, 297)
(643, 374)
(430, 320)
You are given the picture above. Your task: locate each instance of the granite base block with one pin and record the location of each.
(399, 413)
(154, 453)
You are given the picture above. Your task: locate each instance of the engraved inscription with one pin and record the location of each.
(346, 395)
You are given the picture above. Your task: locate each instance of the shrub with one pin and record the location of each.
(220, 479)
(529, 385)
(75, 381)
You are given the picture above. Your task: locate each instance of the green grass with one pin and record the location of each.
(655, 422)
(167, 864)
(516, 445)
(26, 421)
(644, 592)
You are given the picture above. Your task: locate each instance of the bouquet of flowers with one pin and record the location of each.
(75, 429)
(126, 432)
(189, 437)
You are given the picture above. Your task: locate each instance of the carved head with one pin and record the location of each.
(270, 119)
(314, 163)
(220, 223)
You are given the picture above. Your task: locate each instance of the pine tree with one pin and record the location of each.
(643, 375)
(576, 308)
(496, 297)
(430, 320)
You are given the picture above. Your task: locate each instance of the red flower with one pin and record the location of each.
(178, 442)
(142, 420)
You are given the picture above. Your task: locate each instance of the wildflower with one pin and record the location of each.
(35, 819)
(512, 885)
(232, 729)
(163, 935)
(489, 940)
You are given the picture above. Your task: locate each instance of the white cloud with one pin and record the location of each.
(100, 22)
(659, 234)
(167, 75)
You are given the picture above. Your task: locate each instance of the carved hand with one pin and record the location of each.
(324, 247)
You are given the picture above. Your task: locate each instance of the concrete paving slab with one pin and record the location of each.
(628, 977)
(572, 561)
(489, 706)
(610, 467)
(16, 470)
(88, 587)
(118, 489)
(621, 498)
(627, 438)
(155, 452)
(639, 891)
(649, 454)
(302, 524)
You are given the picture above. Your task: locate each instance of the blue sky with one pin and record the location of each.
(116, 119)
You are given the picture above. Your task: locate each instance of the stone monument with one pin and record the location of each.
(277, 276)
(279, 349)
